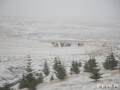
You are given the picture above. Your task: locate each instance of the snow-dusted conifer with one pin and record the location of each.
(46, 68)
(110, 62)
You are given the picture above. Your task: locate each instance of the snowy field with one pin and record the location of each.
(18, 39)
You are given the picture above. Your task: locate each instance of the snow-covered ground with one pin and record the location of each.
(18, 39)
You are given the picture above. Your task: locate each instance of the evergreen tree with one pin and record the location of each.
(90, 65)
(95, 74)
(55, 66)
(61, 71)
(110, 62)
(46, 68)
(86, 67)
(28, 80)
(28, 69)
(75, 67)
(80, 64)
(52, 78)
(92, 62)
(94, 71)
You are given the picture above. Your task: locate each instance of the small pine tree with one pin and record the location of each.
(95, 74)
(90, 65)
(52, 78)
(28, 78)
(94, 71)
(75, 67)
(80, 64)
(61, 71)
(28, 81)
(46, 68)
(110, 62)
(55, 66)
(28, 69)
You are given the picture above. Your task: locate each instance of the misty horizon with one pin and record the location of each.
(106, 11)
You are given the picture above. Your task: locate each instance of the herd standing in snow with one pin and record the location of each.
(64, 44)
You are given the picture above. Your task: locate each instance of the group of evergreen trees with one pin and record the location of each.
(29, 80)
(92, 67)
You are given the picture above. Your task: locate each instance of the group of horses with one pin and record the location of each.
(65, 44)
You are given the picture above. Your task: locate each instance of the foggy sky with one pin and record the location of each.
(46, 9)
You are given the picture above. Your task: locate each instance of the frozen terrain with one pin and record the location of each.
(18, 39)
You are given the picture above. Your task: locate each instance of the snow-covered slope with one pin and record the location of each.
(53, 31)
(18, 39)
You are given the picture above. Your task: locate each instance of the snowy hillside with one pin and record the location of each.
(18, 39)
(53, 31)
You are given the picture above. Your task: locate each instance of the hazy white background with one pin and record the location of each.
(62, 10)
